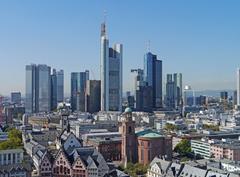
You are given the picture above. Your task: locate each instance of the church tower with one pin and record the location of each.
(127, 129)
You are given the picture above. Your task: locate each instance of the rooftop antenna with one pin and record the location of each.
(103, 25)
(148, 45)
(104, 16)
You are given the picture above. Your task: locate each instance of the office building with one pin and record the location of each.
(153, 77)
(170, 92)
(238, 86)
(57, 88)
(12, 163)
(93, 96)
(38, 88)
(235, 97)
(173, 97)
(16, 97)
(223, 95)
(144, 97)
(78, 87)
(177, 77)
(111, 74)
(189, 96)
(60, 86)
(138, 79)
(53, 90)
(201, 148)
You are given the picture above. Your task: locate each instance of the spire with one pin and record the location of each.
(148, 46)
(103, 25)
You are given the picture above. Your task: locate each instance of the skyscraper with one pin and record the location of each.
(16, 97)
(60, 86)
(44, 88)
(111, 74)
(38, 88)
(54, 89)
(153, 77)
(57, 88)
(177, 77)
(170, 92)
(238, 86)
(138, 79)
(173, 90)
(78, 86)
(92, 96)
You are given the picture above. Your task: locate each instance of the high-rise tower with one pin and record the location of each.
(38, 88)
(110, 73)
(104, 69)
(238, 86)
(78, 87)
(153, 77)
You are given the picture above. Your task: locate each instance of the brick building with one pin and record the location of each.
(142, 146)
(110, 148)
(152, 144)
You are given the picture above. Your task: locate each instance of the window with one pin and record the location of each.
(142, 154)
(129, 129)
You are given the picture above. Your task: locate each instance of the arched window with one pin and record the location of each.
(129, 129)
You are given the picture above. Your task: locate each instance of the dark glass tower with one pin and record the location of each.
(153, 77)
(78, 87)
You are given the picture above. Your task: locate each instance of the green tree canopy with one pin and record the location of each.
(170, 127)
(14, 140)
(183, 147)
(135, 169)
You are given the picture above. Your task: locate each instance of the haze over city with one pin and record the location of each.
(127, 88)
(198, 39)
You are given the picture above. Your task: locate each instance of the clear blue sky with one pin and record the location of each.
(201, 39)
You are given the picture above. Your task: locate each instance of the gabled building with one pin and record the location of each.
(72, 159)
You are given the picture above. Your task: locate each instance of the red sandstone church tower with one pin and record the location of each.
(129, 146)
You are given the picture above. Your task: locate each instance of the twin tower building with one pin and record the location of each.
(44, 90)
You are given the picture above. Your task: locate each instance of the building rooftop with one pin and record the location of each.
(149, 134)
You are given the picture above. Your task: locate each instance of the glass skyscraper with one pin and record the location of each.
(78, 86)
(111, 74)
(153, 77)
(54, 90)
(38, 88)
(57, 88)
(60, 86)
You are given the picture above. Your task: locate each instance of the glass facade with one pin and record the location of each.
(153, 77)
(38, 88)
(60, 86)
(111, 74)
(44, 86)
(78, 86)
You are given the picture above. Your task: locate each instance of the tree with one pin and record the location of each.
(14, 140)
(183, 147)
(170, 127)
(211, 127)
(135, 170)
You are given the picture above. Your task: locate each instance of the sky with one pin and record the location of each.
(200, 39)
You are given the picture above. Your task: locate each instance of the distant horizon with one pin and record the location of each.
(198, 39)
(197, 92)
